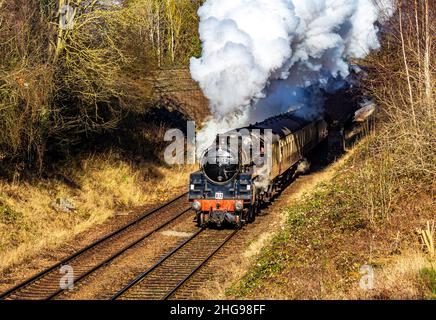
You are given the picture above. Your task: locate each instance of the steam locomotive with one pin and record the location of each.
(230, 187)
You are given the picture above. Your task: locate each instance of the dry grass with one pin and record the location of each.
(108, 185)
(400, 278)
(333, 231)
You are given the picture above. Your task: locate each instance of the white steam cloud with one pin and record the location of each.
(265, 57)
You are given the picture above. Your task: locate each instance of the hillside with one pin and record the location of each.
(334, 233)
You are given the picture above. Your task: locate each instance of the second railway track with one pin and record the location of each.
(170, 273)
(46, 285)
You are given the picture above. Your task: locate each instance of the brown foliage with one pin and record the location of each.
(402, 79)
(60, 85)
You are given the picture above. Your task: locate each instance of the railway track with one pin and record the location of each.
(174, 270)
(46, 285)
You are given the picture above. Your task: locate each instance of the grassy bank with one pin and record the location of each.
(96, 188)
(332, 233)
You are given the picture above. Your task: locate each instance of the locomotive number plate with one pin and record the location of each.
(219, 196)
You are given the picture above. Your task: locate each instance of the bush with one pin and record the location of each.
(59, 86)
(400, 156)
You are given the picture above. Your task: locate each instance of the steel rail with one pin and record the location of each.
(156, 265)
(193, 272)
(89, 247)
(120, 252)
(195, 269)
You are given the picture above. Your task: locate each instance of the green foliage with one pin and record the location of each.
(428, 276)
(7, 215)
(272, 261)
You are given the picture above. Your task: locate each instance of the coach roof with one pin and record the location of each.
(281, 125)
